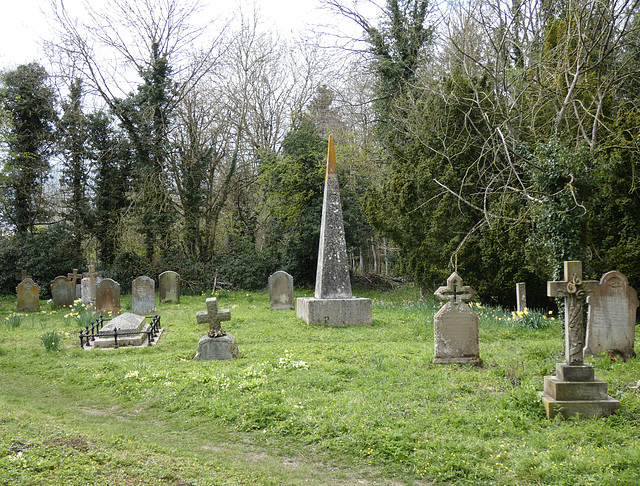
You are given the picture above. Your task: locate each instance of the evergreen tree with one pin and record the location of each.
(72, 138)
(29, 100)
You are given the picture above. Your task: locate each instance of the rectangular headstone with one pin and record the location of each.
(63, 292)
(169, 286)
(28, 295)
(521, 296)
(611, 320)
(108, 297)
(281, 296)
(143, 295)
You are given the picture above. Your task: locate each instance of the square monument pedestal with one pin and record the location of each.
(574, 390)
(334, 312)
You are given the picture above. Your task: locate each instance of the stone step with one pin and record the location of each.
(575, 390)
(584, 409)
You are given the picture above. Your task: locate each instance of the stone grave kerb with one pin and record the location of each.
(574, 290)
(213, 316)
(455, 291)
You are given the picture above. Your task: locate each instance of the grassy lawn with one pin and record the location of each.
(303, 404)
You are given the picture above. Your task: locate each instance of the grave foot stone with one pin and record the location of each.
(217, 348)
(575, 391)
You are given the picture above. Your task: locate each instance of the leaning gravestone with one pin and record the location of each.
(143, 295)
(169, 286)
(217, 344)
(281, 295)
(108, 297)
(611, 321)
(574, 390)
(63, 292)
(455, 325)
(28, 295)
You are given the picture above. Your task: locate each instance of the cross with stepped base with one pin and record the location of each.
(213, 317)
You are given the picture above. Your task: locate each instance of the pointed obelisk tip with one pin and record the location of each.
(331, 157)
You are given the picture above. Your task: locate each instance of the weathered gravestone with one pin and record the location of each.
(88, 287)
(108, 297)
(63, 292)
(169, 286)
(574, 390)
(28, 295)
(143, 295)
(521, 296)
(217, 344)
(611, 322)
(281, 295)
(333, 303)
(455, 325)
(127, 326)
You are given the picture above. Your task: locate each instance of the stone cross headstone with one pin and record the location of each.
(88, 287)
(108, 297)
(333, 303)
(22, 276)
(216, 344)
(213, 316)
(76, 277)
(143, 295)
(169, 286)
(281, 296)
(611, 320)
(455, 325)
(521, 296)
(574, 390)
(28, 295)
(63, 292)
(574, 290)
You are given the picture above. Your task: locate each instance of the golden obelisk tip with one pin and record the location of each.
(331, 157)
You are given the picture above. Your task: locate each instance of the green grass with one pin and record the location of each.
(303, 404)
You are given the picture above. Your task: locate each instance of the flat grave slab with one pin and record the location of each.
(124, 323)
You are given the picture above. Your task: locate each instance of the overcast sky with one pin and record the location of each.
(23, 24)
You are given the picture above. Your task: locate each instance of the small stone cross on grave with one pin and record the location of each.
(74, 277)
(454, 291)
(92, 274)
(214, 317)
(22, 276)
(574, 290)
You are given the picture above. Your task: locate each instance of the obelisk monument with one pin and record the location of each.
(333, 303)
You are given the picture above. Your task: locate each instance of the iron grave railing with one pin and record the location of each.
(90, 333)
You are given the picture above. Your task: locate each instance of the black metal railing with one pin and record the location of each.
(90, 333)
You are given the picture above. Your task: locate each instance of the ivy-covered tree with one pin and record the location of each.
(293, 188)
(72, 139)
(28, 98)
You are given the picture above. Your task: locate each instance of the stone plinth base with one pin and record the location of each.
(474, 360)
(575, 391)
(334, 312)
(218, 348)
